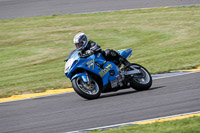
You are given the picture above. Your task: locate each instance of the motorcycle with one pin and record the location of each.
(92, 75)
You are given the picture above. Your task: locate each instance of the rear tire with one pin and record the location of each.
(91, 91)
(143, 81)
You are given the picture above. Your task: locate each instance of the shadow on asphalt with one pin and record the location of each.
(154, 88)
(112, 94)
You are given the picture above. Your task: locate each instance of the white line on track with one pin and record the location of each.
(130, 123)
(175, 74)
(138, 8)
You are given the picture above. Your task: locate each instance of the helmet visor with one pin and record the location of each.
(78, 45)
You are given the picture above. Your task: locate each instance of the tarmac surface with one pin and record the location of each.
(29, 8)
(69, 112)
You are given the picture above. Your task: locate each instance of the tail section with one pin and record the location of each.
(125, 52)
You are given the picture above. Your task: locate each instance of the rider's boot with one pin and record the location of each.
(113, 55)
(120, 58)
(124, 61)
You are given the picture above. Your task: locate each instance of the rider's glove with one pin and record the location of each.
(95, 48)
(80, 53)
(89, 52)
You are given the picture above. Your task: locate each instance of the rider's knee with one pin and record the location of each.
(110, 53)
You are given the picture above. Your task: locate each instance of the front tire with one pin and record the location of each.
(142, 81)
(85, 90)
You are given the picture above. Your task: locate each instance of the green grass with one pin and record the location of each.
(187, 125)
(32, 50)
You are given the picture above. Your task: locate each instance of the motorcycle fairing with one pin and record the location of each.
(125, 52)
(90, 64)
(82, 75)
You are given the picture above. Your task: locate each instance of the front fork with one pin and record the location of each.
(88, 79)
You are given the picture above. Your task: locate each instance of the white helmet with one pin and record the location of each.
(80, 41)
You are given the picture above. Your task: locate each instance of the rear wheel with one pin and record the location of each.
(141, 81)
(86, 90)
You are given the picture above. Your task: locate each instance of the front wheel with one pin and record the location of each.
(88, 91)
(141, 81)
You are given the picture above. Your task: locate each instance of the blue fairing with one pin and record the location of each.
(125, 52)
(76, 66)
(82, 75)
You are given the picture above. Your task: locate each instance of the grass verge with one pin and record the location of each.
(187, 125)
(32, 50)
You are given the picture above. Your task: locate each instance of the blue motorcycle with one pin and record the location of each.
(92, 75)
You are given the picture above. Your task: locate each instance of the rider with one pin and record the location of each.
(89, 47)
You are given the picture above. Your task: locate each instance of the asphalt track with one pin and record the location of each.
(28, 8)
(69, 112)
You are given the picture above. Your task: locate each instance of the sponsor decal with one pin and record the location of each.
(93, 63)
(90, 65)
(98, 55)
(105, 70)
(128, 50)
(89, 62)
